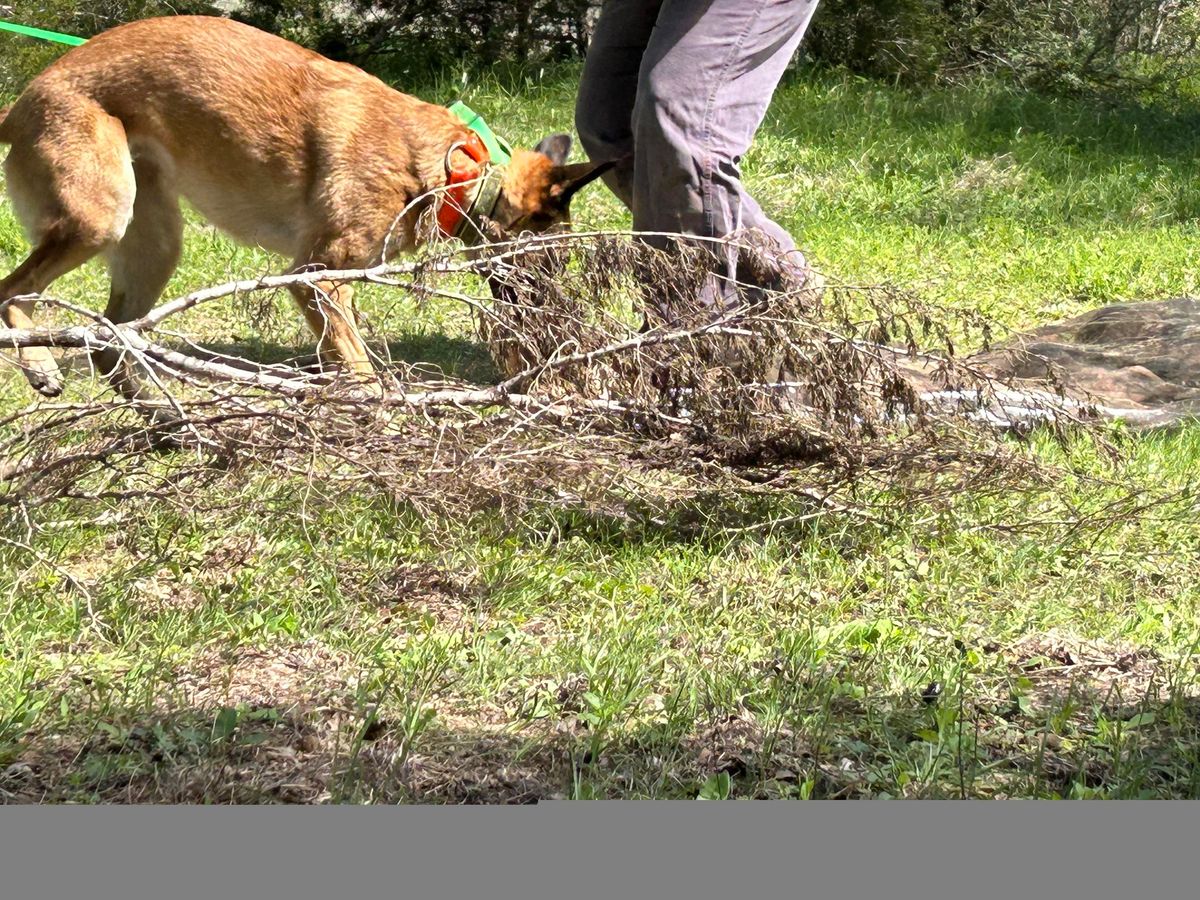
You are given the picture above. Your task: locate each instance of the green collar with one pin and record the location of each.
(483, 204)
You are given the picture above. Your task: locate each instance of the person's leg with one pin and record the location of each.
(608, 88)
(706, 81)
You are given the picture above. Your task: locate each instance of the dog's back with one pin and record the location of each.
(273, 143)
(245, 123)
(276, 145)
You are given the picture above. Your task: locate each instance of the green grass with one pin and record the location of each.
(281, 645)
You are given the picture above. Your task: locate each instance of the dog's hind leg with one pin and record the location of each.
(141, 263)
(71, 182)
(57, 253)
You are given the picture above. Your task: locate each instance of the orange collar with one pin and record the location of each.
(463, 180)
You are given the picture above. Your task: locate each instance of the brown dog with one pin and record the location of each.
(271, 142)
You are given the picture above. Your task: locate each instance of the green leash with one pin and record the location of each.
(499, 149)
(42, 34)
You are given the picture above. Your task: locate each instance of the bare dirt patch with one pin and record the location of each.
(296, 677)
(1117, 677)
(412, 590)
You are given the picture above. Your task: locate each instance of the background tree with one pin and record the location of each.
(22, 58)
(1127, 45)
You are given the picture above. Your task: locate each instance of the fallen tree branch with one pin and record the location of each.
(585, 412)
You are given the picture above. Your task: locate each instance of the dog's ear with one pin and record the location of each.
(567, 181)
(555, 148)
(536, 194)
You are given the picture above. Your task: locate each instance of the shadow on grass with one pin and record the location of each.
(1069, 740)
(433, 355)
(709, 521)
(1116, 126)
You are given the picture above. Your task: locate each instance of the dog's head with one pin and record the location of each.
(538, 186)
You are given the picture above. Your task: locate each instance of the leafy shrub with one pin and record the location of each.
(1056, 44)
(1127, 45)
(427, 35)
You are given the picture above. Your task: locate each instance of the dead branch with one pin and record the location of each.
(799, 399)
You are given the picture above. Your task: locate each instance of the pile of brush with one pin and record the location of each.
(804, 396)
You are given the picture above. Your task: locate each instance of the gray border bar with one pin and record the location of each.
(861, 850)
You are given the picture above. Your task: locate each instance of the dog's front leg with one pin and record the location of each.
(329, 310)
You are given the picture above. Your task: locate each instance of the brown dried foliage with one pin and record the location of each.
(592, 412)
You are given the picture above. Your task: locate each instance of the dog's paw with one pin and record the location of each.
(41, 370)
(47, 384)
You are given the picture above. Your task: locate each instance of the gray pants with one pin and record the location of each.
(683, 85)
